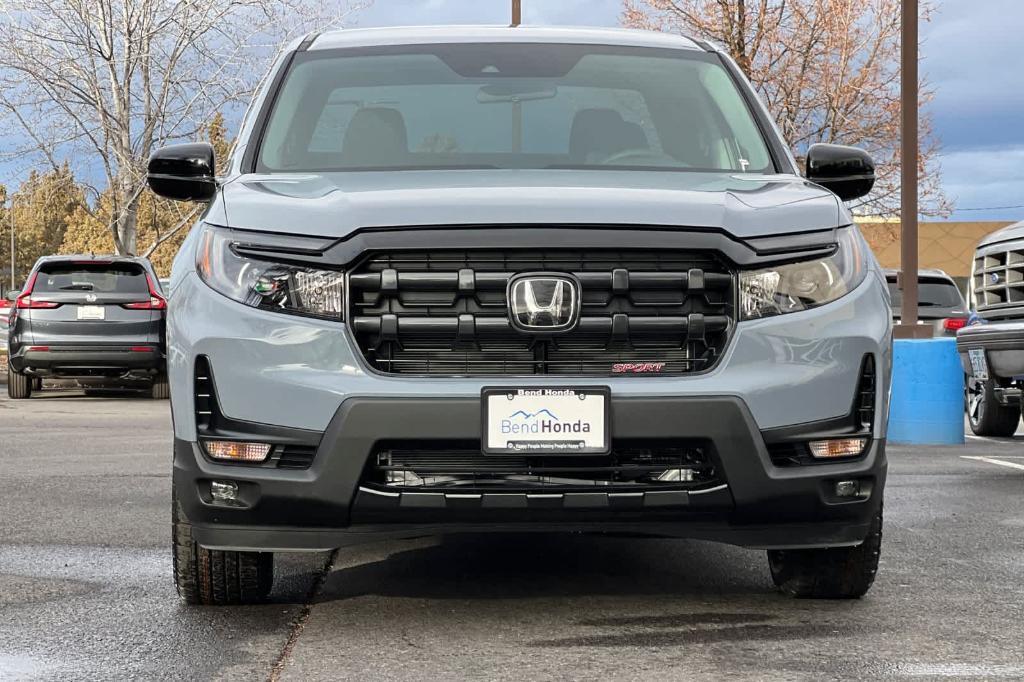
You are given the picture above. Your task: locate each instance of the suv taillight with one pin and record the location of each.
(25, 300)
(951, 324)
(155, 302)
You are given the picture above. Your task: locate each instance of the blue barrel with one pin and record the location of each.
(927, 405)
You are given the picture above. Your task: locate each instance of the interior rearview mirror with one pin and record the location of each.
(183, 172)
(847, 171)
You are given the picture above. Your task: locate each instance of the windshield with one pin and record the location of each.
(930, 294)
(511, 106)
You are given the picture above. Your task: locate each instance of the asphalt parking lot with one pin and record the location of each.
(86, 592)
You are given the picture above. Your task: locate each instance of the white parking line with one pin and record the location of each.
(998, 441)
(990, 460)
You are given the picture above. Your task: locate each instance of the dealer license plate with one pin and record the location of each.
(979, 364)
(91, 312)
(546, 421)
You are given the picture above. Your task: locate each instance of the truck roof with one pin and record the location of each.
(933, 273)
(418, 35)
(91, 257)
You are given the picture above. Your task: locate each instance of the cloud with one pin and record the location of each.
(985, 178)
(972, 58)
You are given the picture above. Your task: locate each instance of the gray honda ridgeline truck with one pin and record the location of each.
(991, 347)
(522, 279)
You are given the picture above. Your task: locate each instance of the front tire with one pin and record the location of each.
(19, 386)
(832, 573)
(215, 577)
(984, 413)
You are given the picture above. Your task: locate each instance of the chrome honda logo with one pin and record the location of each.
(91, 298)
(544, 302)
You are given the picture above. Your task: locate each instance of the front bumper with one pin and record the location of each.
(72, 360)
(757, 504)
(1003, 343)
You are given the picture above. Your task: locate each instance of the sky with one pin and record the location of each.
(972, 57)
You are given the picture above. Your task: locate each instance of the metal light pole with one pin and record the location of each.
(13, 285)
(908, 327)
(517, 12)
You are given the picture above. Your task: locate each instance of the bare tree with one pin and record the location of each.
(104, 82)
(828, 70)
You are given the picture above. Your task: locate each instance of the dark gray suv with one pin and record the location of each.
(97, 319)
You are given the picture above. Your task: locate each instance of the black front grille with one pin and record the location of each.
(446, 313)
(462, 467)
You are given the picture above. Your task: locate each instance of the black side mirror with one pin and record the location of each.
(183, 172)
(847, 171)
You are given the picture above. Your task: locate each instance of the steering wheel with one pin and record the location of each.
(640, 154)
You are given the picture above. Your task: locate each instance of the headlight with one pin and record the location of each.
(262, 284)
(794, 287)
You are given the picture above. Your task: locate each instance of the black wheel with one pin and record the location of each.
(160, 390)
(213, 577)
(19, 386)
(833, 573)
(984, 413)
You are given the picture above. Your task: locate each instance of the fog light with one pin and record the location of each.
(224, 491)
(403, 478)
(678, 475)
(841, 447)
(847, 488)
(236, 451)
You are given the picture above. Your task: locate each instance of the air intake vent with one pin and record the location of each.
(295, 456)
(206, 403)
(293, 448)
(792, 449)
(866, 390)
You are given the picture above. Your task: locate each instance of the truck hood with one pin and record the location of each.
(337, 204)
(1008, 233)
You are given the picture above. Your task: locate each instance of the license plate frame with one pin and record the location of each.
(596, 441)
(979, 363)
(92, 313)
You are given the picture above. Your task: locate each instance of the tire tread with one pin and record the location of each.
(19, 386)
(830, 573)
(216, 577)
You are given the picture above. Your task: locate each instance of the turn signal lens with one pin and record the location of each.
(843, 447)
(237, 452)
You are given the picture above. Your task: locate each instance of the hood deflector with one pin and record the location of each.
(750, 252)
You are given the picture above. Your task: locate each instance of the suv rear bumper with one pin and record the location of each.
(1003, 343)
(88, 359)
(325, 506)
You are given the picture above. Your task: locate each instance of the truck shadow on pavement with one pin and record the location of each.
(540, 565)
(648, 592)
